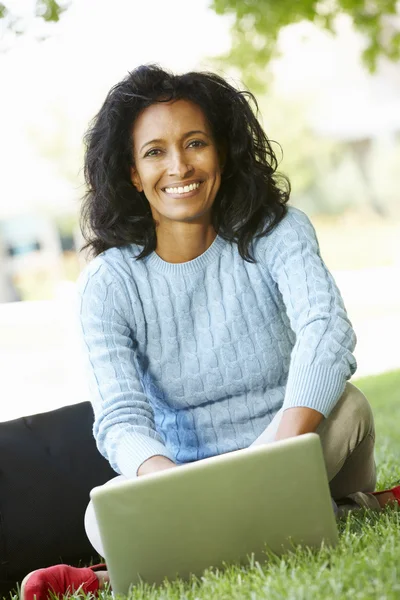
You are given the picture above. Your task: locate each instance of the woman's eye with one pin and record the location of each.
(198, 144)
(153, 152)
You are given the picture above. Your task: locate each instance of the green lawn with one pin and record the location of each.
(365, 564)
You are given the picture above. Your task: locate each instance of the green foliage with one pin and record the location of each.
(49, 10)
(258, 23)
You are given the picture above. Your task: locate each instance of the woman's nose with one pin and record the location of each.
(178, 165)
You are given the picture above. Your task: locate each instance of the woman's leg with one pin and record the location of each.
(347, 439)
(91, 526)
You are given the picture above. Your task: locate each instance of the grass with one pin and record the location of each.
(364, 565)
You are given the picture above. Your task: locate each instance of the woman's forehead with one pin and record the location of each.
(169, 118)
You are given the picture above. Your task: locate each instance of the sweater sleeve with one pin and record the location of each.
(321, 359)
(124, 426)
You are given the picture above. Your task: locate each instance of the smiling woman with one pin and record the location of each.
(209, 321)
(157, 133)
(179, 172)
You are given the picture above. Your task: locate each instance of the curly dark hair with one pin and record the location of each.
(252, 196)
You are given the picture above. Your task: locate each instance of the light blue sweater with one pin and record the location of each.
(194, 359)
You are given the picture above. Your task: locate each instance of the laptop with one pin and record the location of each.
(222, 509)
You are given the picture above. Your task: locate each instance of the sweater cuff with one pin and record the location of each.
(134, 449)
(318, 387)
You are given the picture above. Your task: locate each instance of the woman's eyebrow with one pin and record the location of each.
(185, 135)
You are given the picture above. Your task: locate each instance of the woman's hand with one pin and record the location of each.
(155, 463)
(298, 420)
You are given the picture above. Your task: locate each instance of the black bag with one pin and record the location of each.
(48, 465)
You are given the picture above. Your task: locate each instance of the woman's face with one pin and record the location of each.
(176, 161)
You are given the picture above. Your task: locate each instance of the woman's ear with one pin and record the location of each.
(136, 180)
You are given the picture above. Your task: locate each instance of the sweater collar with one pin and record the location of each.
(156, 263)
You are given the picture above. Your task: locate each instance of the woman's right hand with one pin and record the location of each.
(155, 463)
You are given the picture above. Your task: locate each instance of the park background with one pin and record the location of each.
(331, 100)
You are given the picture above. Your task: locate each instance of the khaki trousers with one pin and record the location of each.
(347, 439)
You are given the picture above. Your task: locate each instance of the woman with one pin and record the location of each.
(209, 319)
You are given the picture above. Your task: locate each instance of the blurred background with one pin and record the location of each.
(327, 79)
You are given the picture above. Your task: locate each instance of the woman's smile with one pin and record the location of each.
(183, 190)
(176, 158)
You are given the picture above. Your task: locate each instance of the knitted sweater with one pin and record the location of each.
(194, 359)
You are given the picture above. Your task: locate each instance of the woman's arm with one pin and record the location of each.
(322, 358)
(124, 426)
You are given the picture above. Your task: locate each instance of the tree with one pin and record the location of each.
(258, 23)
(49, 10)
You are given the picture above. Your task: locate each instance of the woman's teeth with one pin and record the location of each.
(182, 190)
